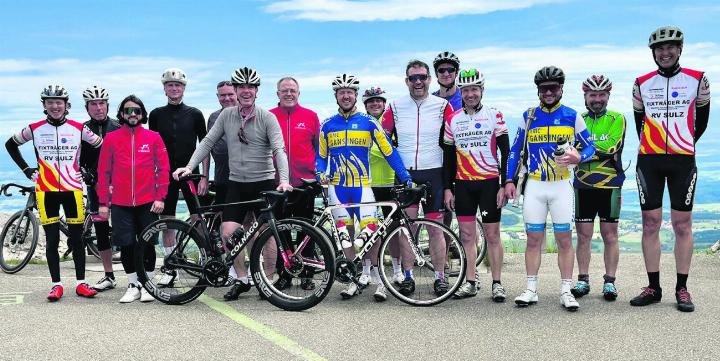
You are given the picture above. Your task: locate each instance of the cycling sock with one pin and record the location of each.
(376, 275)
(566, 285)
(471, 282)
(584, 278)
(532, 282)
(366, 266)
(132, 279)
(439, 275)
(654, 280)
(496, 281)
(681, 281)
(243, 279)
(168, 250)
(57, 284)
(408, 273)
(396, 265)
(233, 273)
(79, 282)
(609, 279)
(110, 275)
(52, 240)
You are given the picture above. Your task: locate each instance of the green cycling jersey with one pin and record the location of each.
(604, 170)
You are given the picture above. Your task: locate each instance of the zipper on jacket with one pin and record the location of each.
(288, 145)
(667, 113)
(132, 165)
(417, 135)
(57, 151)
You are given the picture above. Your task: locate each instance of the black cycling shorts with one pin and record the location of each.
(680, 172)
(129, 222)
(433, 178)
(597, 202)
(243, 192)
(49, 203)
(473, 194)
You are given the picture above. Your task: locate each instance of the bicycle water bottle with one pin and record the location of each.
(562, 147)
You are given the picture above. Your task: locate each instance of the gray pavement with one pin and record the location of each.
(474, 328)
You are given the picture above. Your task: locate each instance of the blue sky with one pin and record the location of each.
(125, 46)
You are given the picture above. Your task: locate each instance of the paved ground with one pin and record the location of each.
(338, 330)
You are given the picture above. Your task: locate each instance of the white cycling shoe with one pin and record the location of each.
(568, 301)
(527, 298)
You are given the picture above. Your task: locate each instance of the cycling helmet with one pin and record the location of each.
(471, 77)
(665, 34)
(245, 75)
(54, 92)
(372, 93)
(597, 83)
(174, 74)
(446, 57)
(95, 92)
(549, 73)
(346, 81)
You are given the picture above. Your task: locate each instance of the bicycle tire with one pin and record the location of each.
(293, 298)
(455, 276)
(11, 225)
(190, 250)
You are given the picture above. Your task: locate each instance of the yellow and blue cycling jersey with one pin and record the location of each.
(344, 150)
(543, 132)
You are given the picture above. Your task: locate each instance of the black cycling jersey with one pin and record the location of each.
(89, 155)
(180, 127)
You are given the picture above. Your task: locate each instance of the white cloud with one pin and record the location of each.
(391, 10)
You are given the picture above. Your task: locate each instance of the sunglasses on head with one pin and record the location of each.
(552, 87)
(416, 77)
(132, 110)
(448, 70)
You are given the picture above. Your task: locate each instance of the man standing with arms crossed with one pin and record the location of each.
(96, 103)
(671, 108)
(180, 127)
(598, 184)
(417, 119)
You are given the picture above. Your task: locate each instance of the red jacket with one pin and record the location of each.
(134, 162)
(300, 128)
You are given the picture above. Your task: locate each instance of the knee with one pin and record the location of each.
(682, 228)
(609, 237)
(651, 223)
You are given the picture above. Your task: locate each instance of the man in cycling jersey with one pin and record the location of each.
(475, 133)
(227, 98)
(96, 104)
(598, 184)
(300, 128)
(447, 66)
(548, 188)
(417, 119)
(343, 161)
(180, 127)
(671, 108)
(58, 182)
(253, 138)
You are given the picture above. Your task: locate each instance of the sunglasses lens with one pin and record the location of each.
(414, 78)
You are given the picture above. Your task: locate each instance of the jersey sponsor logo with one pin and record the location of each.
(691, 190)
(300, 126)
(145, 148)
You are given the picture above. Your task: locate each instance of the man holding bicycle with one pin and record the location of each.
(253, 138)
(57, 142)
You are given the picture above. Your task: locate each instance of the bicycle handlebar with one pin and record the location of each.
(418, 193)
(23, 189)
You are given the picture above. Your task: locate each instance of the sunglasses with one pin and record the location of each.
(446, 70)
(241, 136)
(133, 110)
(416, 77)
(544, 88)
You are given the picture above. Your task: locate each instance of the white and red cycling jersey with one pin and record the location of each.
(57, 149)
(475, 140)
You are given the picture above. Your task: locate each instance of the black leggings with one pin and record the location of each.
(127, 256)
(75, 241)
(102, 233)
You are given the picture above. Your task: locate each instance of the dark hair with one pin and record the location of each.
(136, 100)
(224, 83)
(416, 64)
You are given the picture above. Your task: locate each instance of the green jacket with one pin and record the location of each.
(604, 170)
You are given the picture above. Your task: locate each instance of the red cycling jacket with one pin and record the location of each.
(134, 162)
(300, 128)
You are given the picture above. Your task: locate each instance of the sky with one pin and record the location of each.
(125, 45)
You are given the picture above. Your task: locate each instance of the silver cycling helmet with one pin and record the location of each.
(245, 75)
(345, 81)
(597, 83)
(95, 92)
(665, 34)
(174, 74)
(373, 93)
(55, 91)
(471, 77)
(446, 57)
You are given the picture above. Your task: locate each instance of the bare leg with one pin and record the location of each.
(609, 232)
(651, 239)
(583, 252)
(495, 248)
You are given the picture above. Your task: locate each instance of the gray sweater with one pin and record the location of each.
(250, 162)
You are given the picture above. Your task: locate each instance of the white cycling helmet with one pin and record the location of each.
(471, 77)
(54, 92)
(665, 34)
(597, 83)
(345, 81)
(95, 92)
(174, 74)
(373, 93)
(446, 57)
(245, 75)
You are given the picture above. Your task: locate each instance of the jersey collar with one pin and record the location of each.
(549, 110)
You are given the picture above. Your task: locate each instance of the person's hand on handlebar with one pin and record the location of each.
(181, 172)
(322, 178)
(284, 187)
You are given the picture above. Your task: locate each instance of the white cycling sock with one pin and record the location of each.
(565, 285)
(233, 273)
(439, 275)
(376, 275)
(132, 278)
(396, 265)
(168, 250)
(366, 266)
(79, 282)
(532, 282)
(57, 284)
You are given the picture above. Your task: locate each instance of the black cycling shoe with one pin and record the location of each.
(307, 284)
(407, 286)
(684, 300)
(440, 287)
(647, 296)
(283, 283)
(235, 291)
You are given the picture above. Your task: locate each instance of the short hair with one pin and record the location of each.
(136, 100)
(415, 63)
(287, 78)
(224, 83)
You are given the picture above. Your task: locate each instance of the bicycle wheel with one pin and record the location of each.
(186, 262)
(90, 240)
(481, 241)
(18, 240)
(319, 268)
(451, 254)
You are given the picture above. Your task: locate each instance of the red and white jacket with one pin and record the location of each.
(300, 130)
(134, 162)
(418, 125)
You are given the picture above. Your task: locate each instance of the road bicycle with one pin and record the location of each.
(199, 259)
(415, 234)
(19, 236)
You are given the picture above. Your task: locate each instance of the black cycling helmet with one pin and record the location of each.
(549, 73)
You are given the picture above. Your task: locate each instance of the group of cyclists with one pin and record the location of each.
(448, 140)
